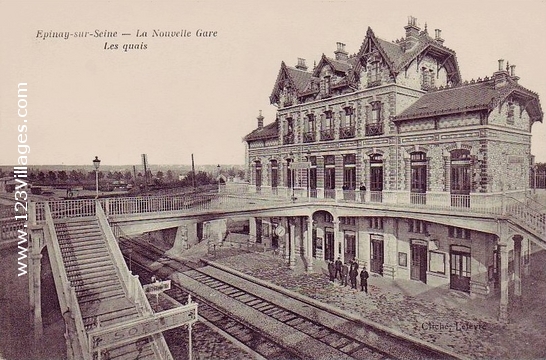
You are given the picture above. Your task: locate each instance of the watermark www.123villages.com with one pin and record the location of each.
(20, 175)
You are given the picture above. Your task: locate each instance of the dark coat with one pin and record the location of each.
(344, 270)
(364, 275)
(338, 264)
(331, 268)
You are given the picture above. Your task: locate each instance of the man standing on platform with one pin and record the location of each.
(338, 264)
(353, 273)
(364, 280)
(344, 273)
(331, 270)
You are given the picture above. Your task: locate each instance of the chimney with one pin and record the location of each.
(340, 53)
(500, 77)
(438, 36)
(260, 120)
(512, 70)
(501, 64)
(301, 64)
(412, 32)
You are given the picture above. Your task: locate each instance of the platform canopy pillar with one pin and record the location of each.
(503, 306)
(309, 244)
(517, 266)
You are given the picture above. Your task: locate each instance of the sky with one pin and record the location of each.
(201, 95)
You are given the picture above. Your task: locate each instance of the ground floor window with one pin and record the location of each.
(460, 268)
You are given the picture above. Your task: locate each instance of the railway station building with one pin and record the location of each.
(393, 159)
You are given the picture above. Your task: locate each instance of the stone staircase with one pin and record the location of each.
(99, 289)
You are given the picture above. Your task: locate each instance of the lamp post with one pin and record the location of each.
(96, 164)
(218, 174)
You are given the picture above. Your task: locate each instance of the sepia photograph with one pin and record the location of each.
(334, 179)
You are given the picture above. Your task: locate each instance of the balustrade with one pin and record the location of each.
(347, 132)
(327, 134)
(309, 137)
(374, 129)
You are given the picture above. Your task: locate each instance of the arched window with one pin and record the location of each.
(258, 174)
(461, 182)
(274, 173)
(418, 187)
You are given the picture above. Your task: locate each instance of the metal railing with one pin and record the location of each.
(65, 292)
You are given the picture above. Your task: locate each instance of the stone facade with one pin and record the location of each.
(419, 136)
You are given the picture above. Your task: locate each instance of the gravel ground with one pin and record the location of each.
(472, 333)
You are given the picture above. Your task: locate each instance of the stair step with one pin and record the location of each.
(81, 255)
(70, 261)
(99, 278)
(86, 292)
(111, 318)
(84, 246)
(75, 240)
(133, 351)
(91, 273)
(91, 285)
(111, 294)
(105, 307)
(71, 266)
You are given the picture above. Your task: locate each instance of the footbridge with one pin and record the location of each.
(84, 253)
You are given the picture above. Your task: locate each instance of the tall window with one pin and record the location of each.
(349, 172)
(313, 175)
(309, 129)
(327, 131)
(329, 172)
(347, 129)
(418, 176)
(376, 172)
(375, 73)
(327, 122)
(289, 131)
(274, 173)
(376, 112)
(258, 167)
(427, 78)
(374, 123)
(326, 85)
(460, 178)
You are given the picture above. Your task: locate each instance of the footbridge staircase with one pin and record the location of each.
(96, 290)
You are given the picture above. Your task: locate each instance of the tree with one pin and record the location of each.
(62, 176)
(73, 176)
(128, 176)
(159, 175)
(51, 176)
(169, 175)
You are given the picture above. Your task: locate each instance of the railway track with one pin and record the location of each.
(244, 333)
(389, 347)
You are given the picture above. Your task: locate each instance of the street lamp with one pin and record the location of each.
(96, 164)
(218, 167)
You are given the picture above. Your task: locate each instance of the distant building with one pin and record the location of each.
(416, 163)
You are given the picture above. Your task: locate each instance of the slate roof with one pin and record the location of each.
(300, 78)
(480, 95)
(269, 131)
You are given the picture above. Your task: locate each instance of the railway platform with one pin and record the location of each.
(450, 319)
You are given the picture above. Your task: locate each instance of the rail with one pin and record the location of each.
(133, 288)
(534, 221)
(66, 293)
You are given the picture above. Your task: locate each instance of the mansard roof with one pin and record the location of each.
(269, 131)
(342, 66)
(398, 58)
(473, 96)
(298, 79)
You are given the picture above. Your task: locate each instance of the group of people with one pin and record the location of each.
(341, 270)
